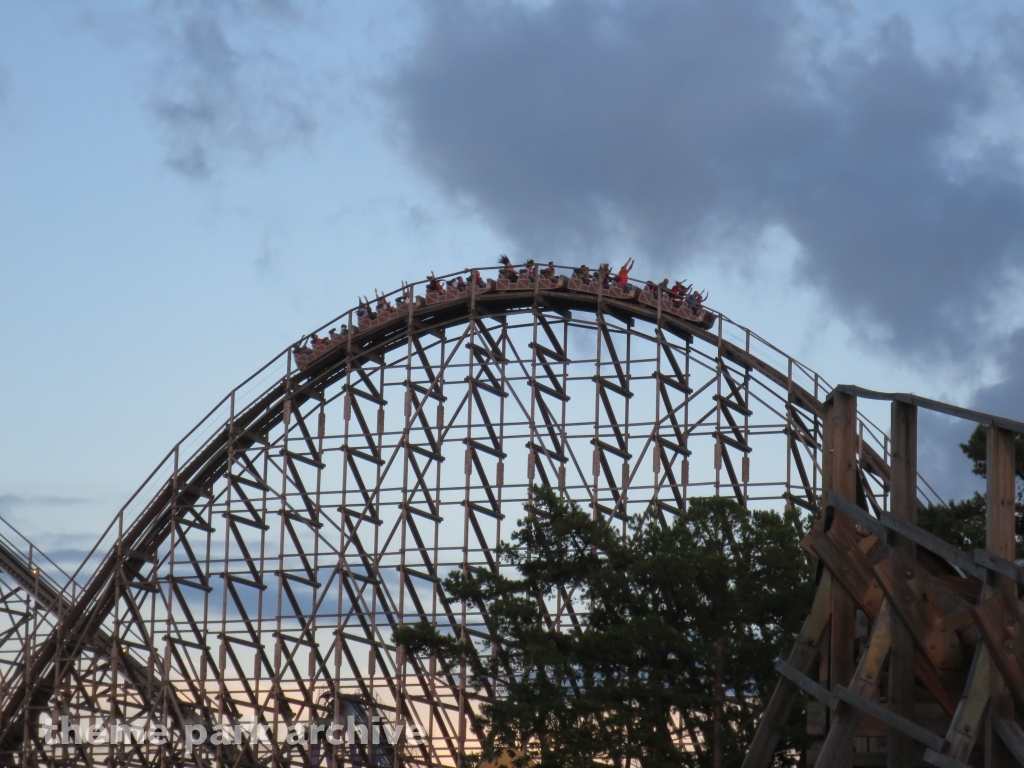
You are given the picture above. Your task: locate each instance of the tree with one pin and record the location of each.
(976, 448)
(962, 523)
(679, 627)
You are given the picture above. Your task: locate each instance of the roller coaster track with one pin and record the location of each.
(263, 563)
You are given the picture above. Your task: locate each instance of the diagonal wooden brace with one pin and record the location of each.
(999, 619)
(966, 724)
(915, 597)
(868, 707)
(841, 553)
(865, 682)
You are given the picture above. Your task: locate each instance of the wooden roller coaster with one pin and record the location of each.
(258, 573)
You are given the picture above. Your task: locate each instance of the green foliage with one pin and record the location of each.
(977, 446)
(962, 523)
(679, 627)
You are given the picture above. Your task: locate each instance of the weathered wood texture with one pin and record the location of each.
(1000, 541)
(903, 502)
(840, 476)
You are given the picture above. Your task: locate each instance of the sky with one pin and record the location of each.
(186, 187)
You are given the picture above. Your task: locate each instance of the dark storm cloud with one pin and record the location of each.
(223, 86)
(1007, 397)
(687, 122)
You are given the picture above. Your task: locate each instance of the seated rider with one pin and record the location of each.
(549, 270)
(623, 279)
(678, 293)
(582, 273)
(507, 271)
(475, 277)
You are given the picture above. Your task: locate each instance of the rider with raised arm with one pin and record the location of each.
(623, 279)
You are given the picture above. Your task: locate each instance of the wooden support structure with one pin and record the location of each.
(903, 461)
(264, 565)
(1000, 542)
(944, 663)
(840, 477)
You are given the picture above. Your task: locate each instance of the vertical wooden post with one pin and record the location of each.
(999, 540)
(903, 751)
(840, 476)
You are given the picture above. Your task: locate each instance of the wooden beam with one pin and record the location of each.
(851, 567)
(840, 476)
(805, 684)
(988, 419)
(903, 484)
(885, 523)
(839, 741)
(964, 728)
(1000, 541)
(999, 619)
(868, 707)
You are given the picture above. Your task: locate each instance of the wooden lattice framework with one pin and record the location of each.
(260, 569)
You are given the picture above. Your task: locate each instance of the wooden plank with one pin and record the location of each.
(839, 740)
(868, 707)
(847, 565)
(964, 728)
(1001, 482)
(841, 415)
(923, 621)
(934, 405)
(997, 565)
(999, 619)
(914, 596)
(861, 517)
(805, 684)
(839, 551)
(886, 522)
(903, 498)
